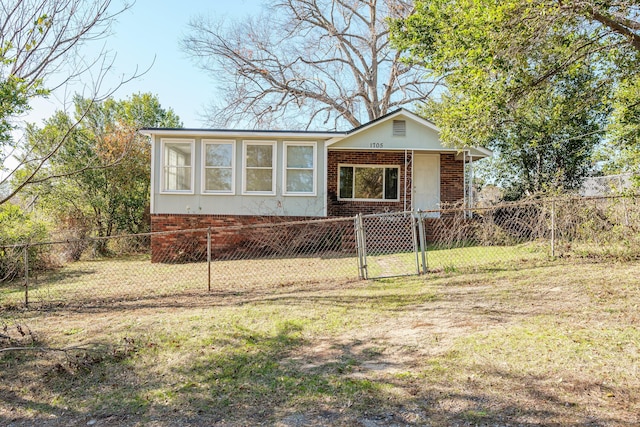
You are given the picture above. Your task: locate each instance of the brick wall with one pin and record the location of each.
(231, 238)
(451, 179)
(439, 230)
(170, 247)
(337, 207)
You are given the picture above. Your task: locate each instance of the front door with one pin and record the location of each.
(426, 182)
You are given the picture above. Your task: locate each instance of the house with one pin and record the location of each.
(212, 178)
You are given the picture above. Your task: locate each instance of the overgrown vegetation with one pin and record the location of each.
(18, 227)
(545, 84)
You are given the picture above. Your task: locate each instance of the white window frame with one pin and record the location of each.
(163, 166)
(203, 174)
(286, 169)
(274, 164)
(341, 165)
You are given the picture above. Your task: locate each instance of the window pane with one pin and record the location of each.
(218, 180)
(259, 156)
(300, 156)
(300, 181)
(259, 180)
(391, 183)
(219, 154)
(368, 183)
(346, 182)
(177, 178)
(177, 154)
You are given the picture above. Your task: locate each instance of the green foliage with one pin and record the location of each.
(625, 127)
(16, 91)
(18, 227)
(38, 41)
(532, 80)
(550, 141)
(103, 165)
(623, 153)
(13, 101)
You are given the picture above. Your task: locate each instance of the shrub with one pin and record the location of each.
(17, 228)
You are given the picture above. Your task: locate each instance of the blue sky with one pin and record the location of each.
(153, 29)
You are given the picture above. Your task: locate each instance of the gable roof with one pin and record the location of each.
(395, 113)
(332, 137)
(400, 112)
(249, 132)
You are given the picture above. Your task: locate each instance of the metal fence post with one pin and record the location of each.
(25, 251)
(423, 243)
(209, 259)
(553, 228)
(414, 237)
(361, 247)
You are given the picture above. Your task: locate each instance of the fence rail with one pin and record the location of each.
(128, 269)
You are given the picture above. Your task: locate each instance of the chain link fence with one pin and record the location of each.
(92, 272)
(231, 260)
(452, 240)
(603, 227)
(487, 238)
(387, 245)
(511, 233)
(133, 268)
(286, 253)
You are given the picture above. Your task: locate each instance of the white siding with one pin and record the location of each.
(238, 204)
(380, 137)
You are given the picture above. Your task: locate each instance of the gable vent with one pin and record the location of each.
(399, 128)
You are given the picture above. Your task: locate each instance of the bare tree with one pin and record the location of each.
(39, 53)
(325, 60)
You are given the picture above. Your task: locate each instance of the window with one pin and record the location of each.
(177, 170)
(300, 161)
(259, 170)
(369, 182)
(218, 166)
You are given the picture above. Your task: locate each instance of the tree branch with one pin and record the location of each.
(307, 57)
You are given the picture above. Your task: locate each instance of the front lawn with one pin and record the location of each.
(548, 343)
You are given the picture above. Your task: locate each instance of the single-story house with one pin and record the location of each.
(212, 178)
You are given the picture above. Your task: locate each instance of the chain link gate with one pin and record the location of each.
(389, 245)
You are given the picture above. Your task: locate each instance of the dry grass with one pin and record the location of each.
(107, 281)
(113, 280)
(551, 343)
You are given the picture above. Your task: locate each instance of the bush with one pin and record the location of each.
(18, 228)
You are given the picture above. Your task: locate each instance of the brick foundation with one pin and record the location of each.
(232, 238)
